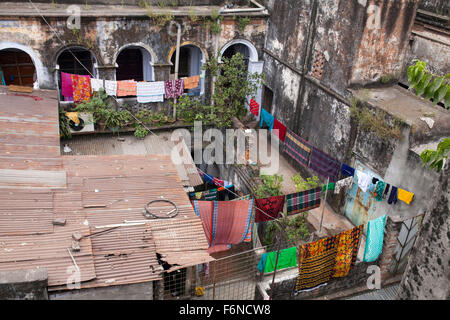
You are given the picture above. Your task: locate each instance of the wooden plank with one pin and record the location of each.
(15, 88)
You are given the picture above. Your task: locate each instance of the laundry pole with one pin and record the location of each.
(324, 203)
(177, 65)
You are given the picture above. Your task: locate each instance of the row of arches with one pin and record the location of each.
(20, 65)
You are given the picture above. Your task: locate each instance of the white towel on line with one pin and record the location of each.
(150, 91)
(96, 84)
(111, 87)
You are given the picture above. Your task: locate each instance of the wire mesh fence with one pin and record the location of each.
(233, 275)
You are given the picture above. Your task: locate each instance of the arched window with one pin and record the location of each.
(16, 68)
(134, 63)
(190, 63)
(235, 48)
(75, 60)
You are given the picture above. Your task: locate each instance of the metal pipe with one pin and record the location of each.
(177, 65)
(258, 9)
(324, 203)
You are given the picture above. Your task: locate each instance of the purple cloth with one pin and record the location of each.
(66, 86)
(174, 88)
(324, 165)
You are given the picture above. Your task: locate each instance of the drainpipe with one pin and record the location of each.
(177, 64)
(259, 8)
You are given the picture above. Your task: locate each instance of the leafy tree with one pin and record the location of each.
(435, 159)
(233, 85)
(428, 85)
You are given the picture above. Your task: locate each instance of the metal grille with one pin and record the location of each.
(405, 242)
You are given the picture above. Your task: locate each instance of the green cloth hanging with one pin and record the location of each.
(330, 186)
(380, 190)
(286, 259)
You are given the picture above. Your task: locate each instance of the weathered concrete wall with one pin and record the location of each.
(138, 291)
(441, 7)
(24, 285)
(427, 273)
(134, 2)
(105, 37)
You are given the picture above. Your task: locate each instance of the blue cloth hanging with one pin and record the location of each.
(267, 118)
(374, 240)
(347, 170)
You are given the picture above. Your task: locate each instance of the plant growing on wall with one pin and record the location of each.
(242, 23)
(428, 85)
(140, 132)
(435, 159)
(64, 129)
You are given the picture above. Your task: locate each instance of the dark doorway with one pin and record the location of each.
(267, 99)
(16, 68)
(130, 62)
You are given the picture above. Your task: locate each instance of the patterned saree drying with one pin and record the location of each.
(297, 148)
(316, 263)
(81, 87)
(325, 165)
(303, 201)
(225, 222)
(347, 251)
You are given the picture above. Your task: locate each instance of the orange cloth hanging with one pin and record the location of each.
(126, 88)
(191, 82)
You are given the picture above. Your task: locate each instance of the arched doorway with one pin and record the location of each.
(191, 61)
(248, 50)
(134, 63)
(16, 68)
(75, 60)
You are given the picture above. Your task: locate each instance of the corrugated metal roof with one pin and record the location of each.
(99, 190)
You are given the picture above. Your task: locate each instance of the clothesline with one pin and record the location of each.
(78, 88)
(309, 156)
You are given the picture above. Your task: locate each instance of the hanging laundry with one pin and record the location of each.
(303, 201)
(224, 223)
(271, 206)
(363, 180)
(191, 82)
(111, 87)
(81, 88)
(375, 180)
(97, 84)
(209, 195)
(148, 92)
(393, 196)
(330, 186)
(254, 107)
(386, 191)
(126, 88)
(247, 197)
(324, 165)
(347, 182)
(266, 118)
(173, 88)
(66, 86)
(286, 259)
(347, 251)
(218, 182)
(281, 129)
(347, 170)
(405, 196)
(374, 240)
(297, 148)
(379, 190)
(316, 263)
(226, 192)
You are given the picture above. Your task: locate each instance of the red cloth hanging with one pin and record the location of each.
(271, 206)
(281, 129)
(254, 107)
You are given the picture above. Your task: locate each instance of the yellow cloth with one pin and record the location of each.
(73, 116)
(199, 291)
(405, 196)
